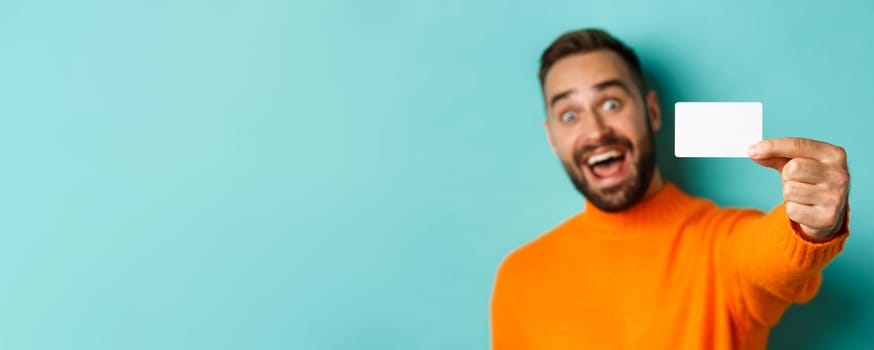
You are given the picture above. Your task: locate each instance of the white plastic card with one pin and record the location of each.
(716, 129)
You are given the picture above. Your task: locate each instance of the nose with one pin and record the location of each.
(593, 128)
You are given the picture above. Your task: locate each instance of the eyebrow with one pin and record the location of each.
(599, 86)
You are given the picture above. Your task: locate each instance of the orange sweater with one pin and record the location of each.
(671, 272)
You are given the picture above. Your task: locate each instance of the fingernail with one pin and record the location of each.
(753, 151)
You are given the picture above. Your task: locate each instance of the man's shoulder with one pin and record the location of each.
(708, 208)
(722, 219)
(533, 253)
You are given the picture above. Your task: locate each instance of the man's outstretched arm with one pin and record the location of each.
(770, 261)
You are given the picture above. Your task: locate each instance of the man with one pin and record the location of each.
(645, 265)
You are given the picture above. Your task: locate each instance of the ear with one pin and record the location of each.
(655, 112)
(549, 138)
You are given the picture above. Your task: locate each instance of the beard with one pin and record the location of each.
(623, 195)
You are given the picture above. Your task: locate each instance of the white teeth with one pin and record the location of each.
(604, 156)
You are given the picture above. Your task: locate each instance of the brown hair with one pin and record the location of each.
(588, 40)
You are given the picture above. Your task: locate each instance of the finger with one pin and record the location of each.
(776, 163)
(804, 170)
(796, 147)
(803, 193)
(811, 216)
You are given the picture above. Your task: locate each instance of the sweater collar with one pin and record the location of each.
(664, 207)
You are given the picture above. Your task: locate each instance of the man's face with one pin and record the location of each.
(599, 126)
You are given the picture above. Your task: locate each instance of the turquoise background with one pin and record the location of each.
(348, 175)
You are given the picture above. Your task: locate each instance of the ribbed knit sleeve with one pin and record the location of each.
(766, 263)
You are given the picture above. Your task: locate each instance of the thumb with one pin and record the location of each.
(776, 163)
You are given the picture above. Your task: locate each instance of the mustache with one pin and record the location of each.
(609, 140)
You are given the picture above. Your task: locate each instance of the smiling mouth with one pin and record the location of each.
(607, 166)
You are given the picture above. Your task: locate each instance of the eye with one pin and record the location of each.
(568, 116)
(611, 104)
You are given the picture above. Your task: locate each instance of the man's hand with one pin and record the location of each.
(815, 181)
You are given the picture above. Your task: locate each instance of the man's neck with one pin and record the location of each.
(655, 184)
